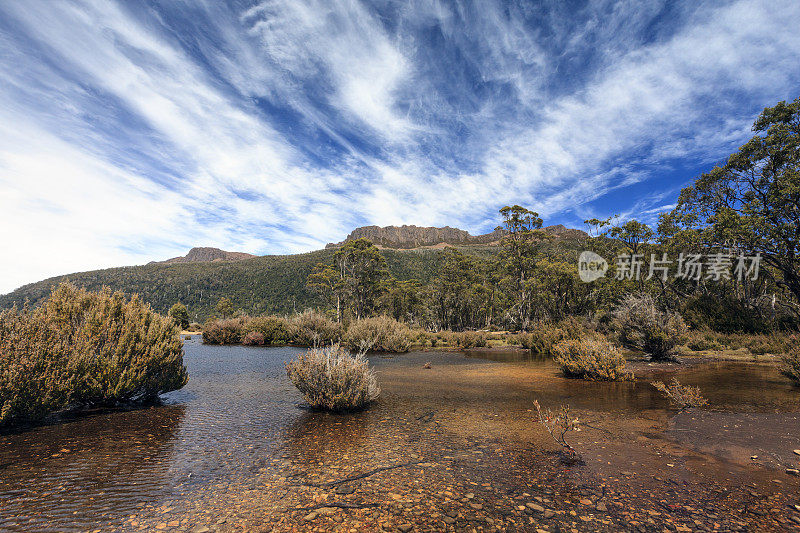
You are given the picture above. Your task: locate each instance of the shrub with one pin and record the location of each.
(545, 335)
(312, 328)
(643, 326)
(591, 358)
(704, 341)
(558, 424)
(273, 329)
(253, 338)
(225, 331)
(790, 366)
(469, 339)
(332, 378)
(683, 396)
(381, 333)
(723, 314)
(83, 349)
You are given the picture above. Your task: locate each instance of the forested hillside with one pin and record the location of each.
(268, 284)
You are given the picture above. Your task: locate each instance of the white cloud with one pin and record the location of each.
(124, 140)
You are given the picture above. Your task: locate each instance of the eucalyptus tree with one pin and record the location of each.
(752, 202)
(224, 307)
(179, 315)
(325, 281)
(517, 258)
(362, 271)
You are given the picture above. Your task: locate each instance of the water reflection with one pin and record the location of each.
(108, 463)
(239, 414)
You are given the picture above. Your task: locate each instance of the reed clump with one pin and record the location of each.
(333, 379)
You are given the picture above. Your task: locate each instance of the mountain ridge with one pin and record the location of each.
(411, 236)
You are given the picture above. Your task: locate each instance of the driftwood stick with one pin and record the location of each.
(360, 476)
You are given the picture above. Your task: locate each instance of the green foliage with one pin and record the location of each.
(545, 335)
(380, 333)
(460, 295)
(259, 286)
(758, 344)
(518, 259)
(312, 328)
(645, 327)
(179, 315)
(225, 331)
(726, 315)
(633, 234)
(790, 364)
(467, 339)
(273, 330)
(362, 269)
(224, 307)
(85, 349)
(331, 378)
(325, 281)
(750, 203)
(592, 358)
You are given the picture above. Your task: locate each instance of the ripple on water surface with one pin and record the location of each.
(238, 414)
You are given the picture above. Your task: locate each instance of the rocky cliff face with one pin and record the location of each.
(207, 255)
(405, 237)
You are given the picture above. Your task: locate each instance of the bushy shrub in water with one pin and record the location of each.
(273, 329)
(85, 349)
(468, 339)
(645, 327)
(790, 366)
(253, 338)
(312, 328)
(591, 358)
(332, 378)
(225, 331)
(545, 335)
(381, 334)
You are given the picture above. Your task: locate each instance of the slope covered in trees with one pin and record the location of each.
(274, 284)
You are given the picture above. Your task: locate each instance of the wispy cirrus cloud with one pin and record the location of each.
(130, 132)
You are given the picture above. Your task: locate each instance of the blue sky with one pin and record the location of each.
(133, 131)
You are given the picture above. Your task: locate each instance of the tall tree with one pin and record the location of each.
(179, 315)
(325, 281)
(362, 269)
(752, 203)
(224, 307)
(633, 233)
(518, 257)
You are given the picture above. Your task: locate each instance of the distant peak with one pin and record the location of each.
(207, 254)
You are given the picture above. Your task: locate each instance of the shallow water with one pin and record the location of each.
(239, 414)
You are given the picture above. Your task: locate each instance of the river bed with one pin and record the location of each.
(239, 425)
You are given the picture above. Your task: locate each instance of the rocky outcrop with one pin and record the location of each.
(405, 237)
(208, 255)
